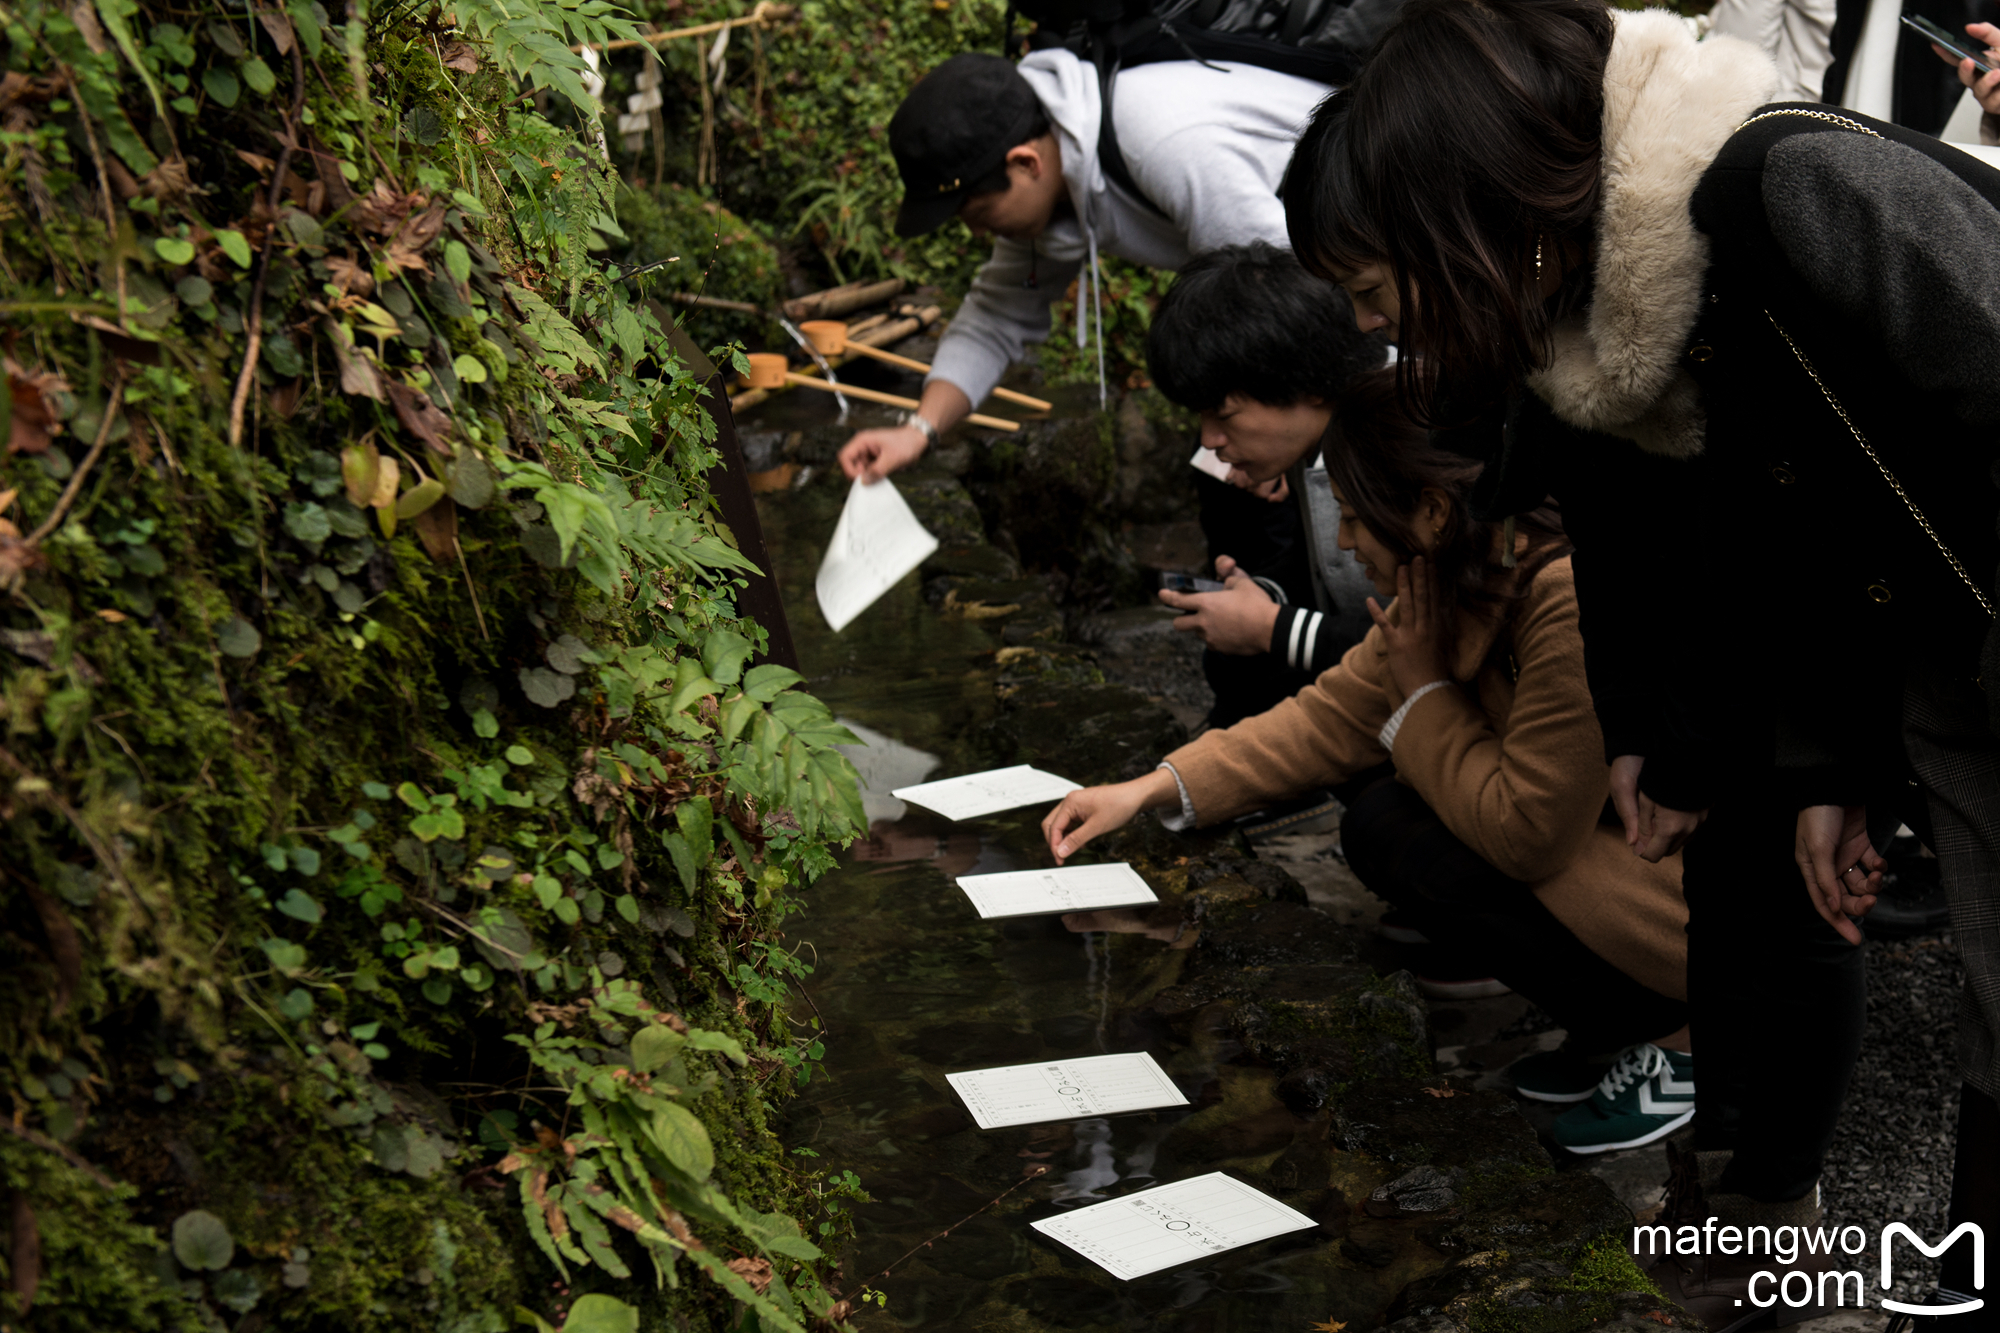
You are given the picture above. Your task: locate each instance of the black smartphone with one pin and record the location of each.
(1187, 583)
(1957, 44)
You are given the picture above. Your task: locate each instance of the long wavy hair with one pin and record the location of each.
(1470, 140)
(1381, 461)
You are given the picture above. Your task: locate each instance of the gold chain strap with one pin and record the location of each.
(1827, 116)
(1888, 476)
(1985, 604)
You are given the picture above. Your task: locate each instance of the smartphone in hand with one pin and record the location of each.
(1957, 45)
(1173, 582)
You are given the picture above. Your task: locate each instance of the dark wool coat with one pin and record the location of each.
(1752, 588)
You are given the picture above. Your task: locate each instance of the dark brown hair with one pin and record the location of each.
(1472, 133)
(1382, 462)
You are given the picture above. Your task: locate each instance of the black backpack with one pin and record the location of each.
(1321, 40)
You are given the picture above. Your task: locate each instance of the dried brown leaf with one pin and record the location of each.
(169, 182)
(280, 29)
(437, 529)
(35, 421)
(461, 57)
(756, 1272)
(350, 277)
(626, 1218)
(511, 1163)
(419, 415)
(262, 165)
(357, 372)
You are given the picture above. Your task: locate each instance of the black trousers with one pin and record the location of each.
(1778, 1002)
(1403, 852)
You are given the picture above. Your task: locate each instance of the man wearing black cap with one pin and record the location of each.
(1013, 150)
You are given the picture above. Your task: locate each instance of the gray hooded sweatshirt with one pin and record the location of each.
(1207, 145)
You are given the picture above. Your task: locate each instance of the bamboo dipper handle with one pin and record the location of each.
(877, 396)
(908, 364)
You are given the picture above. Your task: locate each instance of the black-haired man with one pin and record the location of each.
(1013, 150)
(1261, 348)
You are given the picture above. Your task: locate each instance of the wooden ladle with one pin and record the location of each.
(829, 338)
(769, 370)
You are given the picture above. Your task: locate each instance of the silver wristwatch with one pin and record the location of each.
(923, 424)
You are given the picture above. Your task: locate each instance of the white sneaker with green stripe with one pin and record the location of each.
(1647, 1095)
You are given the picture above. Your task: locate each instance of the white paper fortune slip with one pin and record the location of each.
(1065, 1089)
(876, 542)
(987, 793)
(1172, 1224)
(1063, 889)
(1206, 460)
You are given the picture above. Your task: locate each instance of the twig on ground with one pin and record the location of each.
(47, 1144)
(70, 492)
(255, 327)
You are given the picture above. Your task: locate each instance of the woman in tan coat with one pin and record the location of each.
(1477, 783)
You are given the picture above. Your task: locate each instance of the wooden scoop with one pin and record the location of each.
(829, 338)
(768, 370)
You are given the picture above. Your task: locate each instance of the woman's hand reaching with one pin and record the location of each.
(1416, 644)
(1093, 810)
(1653, 832)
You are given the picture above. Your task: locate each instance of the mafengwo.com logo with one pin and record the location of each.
(1819, 1283)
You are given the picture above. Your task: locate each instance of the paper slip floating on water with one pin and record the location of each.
(1063, 889)
(876, 542)
(1065, 1089)
(987, 793)
(1172, 1224)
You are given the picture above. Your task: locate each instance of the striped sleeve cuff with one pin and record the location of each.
(1295, 636)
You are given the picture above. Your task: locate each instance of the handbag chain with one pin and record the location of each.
(1985, 603)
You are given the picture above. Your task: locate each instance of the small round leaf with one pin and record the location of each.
(202, 1241)
(174, 250)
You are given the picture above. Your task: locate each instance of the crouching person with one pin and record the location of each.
(1261, 349)
(1480, 814)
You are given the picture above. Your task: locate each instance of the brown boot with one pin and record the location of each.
(1755, 1286)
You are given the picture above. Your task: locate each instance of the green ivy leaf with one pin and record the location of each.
(654, 1045)
(442, 823)
(519, 755)
(301, 907)
(458, 261)
(238, 637)
(485, 725)
(297, 1004)
(628, 907)
(410, 794)
(259, 76)
(683, 1139)
(567, 911)
(375, 791)
(438, 991)
(235, 246)
(469, 368)
(723, 653)
(221, 85)
(548, 890)
(174, 250)
(287, 957)
(598, 1313)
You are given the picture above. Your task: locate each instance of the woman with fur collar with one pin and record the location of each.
(1752, 350)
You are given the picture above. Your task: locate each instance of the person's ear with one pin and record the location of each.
(1433, 512)
(1026, 157)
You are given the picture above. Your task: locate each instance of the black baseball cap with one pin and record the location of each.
(954, 128)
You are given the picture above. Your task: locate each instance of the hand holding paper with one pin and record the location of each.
(875, 543)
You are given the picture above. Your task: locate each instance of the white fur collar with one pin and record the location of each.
(1669, 105)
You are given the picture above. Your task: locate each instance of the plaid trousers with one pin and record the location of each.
(1957, 761)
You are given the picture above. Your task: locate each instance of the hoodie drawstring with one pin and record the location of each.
(1090, 296)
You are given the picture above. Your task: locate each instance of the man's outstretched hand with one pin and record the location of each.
(874, 454)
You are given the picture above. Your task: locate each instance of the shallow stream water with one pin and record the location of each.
(910, 985)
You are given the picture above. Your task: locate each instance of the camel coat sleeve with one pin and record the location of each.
(1323, 735)
(1521, 781)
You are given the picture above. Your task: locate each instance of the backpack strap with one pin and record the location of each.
(1109, 159)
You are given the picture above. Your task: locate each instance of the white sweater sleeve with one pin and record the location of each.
(1001, 315)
